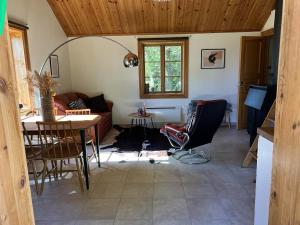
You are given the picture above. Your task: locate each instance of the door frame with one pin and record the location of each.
(239, 94)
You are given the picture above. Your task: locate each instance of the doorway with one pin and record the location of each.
(256, 69)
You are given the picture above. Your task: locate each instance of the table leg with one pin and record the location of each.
(131, 125)
(85, 163)
(152, 122)
(97, 144)
(144, 126)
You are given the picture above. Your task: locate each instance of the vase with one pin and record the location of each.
(47, 108)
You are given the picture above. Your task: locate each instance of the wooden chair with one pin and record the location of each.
(60, 145)
(33, 153)
(89, 137)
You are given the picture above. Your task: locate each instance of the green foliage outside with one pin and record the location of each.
(172, 68)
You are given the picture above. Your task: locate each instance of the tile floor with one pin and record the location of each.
(128, 191)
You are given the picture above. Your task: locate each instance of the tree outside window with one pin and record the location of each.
(163, 68)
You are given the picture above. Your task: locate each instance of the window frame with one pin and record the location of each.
(162, 42)
(23, 29)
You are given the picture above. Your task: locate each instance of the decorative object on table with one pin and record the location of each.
(133, 140)
(46, 85)
(54, 66)
(130, 59)
(142, 111)
(213, 58)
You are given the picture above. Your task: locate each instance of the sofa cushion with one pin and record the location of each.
(96, 104)
(77, 104)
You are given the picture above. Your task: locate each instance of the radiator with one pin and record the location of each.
(166, 114)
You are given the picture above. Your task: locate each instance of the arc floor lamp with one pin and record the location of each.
(130, 59)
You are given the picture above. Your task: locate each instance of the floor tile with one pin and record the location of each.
(56, 222)
(100, 209)
(212, 222)
(106, 190)
(168, 190)
(170, 209)
(133, 222)
(206, 208)
(138, 190)
(140, 177)
(167, 176)
(58, 209)
(127, 190)
(198, 190)
(94, 222)
(172, 222)
(135, 209)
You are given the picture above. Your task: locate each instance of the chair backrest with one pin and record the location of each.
(78, 112)
(57, 139)
(208, 118)
(31, 151)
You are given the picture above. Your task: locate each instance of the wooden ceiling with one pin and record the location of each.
(122, 17)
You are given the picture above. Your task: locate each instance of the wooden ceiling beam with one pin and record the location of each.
(134, 17)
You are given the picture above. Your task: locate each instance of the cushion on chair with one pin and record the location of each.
(174, 130)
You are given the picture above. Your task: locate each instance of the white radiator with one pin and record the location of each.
(166, 114)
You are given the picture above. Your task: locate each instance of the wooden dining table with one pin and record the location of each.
(80, 123)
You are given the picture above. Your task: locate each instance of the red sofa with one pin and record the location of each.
(61, 103)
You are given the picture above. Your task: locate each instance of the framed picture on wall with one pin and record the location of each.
(54, 66)
(213, 58)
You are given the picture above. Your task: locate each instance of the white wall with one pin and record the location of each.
(270, 22)
(96, 66)
(44, 34)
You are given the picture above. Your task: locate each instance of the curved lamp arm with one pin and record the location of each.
(130, 60)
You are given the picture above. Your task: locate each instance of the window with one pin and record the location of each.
(163, 68)
(19, 45)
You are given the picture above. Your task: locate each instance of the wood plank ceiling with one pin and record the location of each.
(122, 17)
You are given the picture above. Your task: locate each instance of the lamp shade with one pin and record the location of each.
(131, 60)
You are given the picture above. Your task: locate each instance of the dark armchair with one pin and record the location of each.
(200, 130)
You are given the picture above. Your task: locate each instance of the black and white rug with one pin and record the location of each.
(134, 140)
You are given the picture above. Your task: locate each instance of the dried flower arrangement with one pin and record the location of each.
(43, 82)
(46, 85)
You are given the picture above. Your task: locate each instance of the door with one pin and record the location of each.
(252, 72)
(15, 197)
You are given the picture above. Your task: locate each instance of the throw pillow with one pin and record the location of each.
(77, 104)
(96, 104)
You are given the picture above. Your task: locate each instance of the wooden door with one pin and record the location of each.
(15, 197)
(285, 191)
(252, 72)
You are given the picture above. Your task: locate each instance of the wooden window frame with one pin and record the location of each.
(184, 43)
(23, 29)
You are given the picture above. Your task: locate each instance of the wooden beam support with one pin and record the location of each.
(15, 197)
(285, 191)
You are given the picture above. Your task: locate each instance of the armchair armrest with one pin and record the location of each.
(176, 128)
